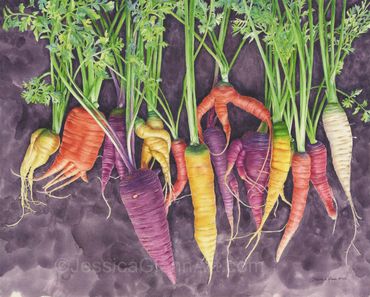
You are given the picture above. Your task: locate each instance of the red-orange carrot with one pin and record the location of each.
(319, 179)
(178, 148)
(301, 170)
(82, 139)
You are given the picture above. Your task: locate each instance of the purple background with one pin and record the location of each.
(69, 249)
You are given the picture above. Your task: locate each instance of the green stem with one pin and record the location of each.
(190, 102)
(86, 104)
(338, 54)
(275, 105)
(206, 47)
(236, 55)
(330, 85)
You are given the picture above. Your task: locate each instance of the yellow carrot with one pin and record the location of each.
(157, 144)
(145, 131)
(43, 144)
(201, 181)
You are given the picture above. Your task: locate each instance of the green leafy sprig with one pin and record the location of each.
(351, 102)
(37, 91)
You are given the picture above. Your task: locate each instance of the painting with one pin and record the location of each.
(184, 148)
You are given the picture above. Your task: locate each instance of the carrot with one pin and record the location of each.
(141, 193)
(233, 184)
(219, 97)
(178, 148)
(257, 170)
(280, 165)
(319, 179)
(354, 22)
(233, 152)
(140, 189)
(339, 133)
(239, 164)
(201, 179)
(157, 144)
(215, 140)
(301, 170)
(43, 144)
(111, 159)
(197, 156)
(82, 139)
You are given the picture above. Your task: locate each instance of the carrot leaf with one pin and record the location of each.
(37, 91)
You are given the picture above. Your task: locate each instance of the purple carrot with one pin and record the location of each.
(233, 152)
(110, 157)
(216, 142)
(240, 167)
(257, 169)
(233, 184)
(141, 193)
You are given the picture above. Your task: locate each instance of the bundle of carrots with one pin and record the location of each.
(285, 34)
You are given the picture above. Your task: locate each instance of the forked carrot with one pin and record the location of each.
(82, 139)
(223, 94)
(157, 144)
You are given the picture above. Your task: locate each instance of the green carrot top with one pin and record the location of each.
(263, 21)
(72, 29)
(336, 43)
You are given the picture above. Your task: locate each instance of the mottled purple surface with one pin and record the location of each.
(69, 249)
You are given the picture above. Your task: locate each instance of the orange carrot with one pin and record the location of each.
(178, 148)
(223, 94)
(82, 139)
(301, 170)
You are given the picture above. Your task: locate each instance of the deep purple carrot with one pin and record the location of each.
(240, 166)
(215, 139)
(110, 157)
(233, 184)
(141, 193)
(257, 168)
(233, 152)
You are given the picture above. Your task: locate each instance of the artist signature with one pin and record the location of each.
(330, 279)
